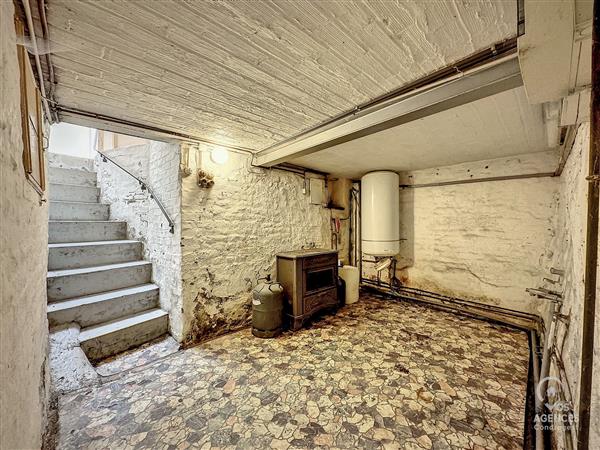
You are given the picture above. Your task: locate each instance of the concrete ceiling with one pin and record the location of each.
(504, 124)
(253, 73)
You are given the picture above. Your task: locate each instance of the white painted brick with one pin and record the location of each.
(482, 241)
(156, 163)
(568, 250)
(232, 232)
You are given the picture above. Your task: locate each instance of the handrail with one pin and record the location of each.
(144, 187)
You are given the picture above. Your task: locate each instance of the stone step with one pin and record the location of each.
(74, 255)
(78, 211)
(98, 308)
(70, 283)
(74, 193)
(85, 231)
(58, 175)
(101, 341)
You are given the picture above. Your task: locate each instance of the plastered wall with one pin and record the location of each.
(157, 163)
(231, 234)
(24, 381)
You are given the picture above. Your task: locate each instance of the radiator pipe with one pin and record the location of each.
(449, 302)
(546, 360)
(38, 64)
(359, 226)
(46, 37)
(539, 433)
(591, 247)
(456, 300)
(350, 228)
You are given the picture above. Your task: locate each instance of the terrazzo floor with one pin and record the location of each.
(379, 374)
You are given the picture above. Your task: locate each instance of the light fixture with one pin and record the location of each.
(219, 155)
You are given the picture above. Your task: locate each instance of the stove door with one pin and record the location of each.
(317, 280)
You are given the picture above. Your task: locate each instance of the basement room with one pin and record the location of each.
(269, 224)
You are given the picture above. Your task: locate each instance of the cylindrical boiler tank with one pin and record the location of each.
(380, 213)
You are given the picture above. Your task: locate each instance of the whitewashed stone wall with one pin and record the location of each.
(568, 254)
(231, 233)
(483, 241)
(158, 164)
(24, 380)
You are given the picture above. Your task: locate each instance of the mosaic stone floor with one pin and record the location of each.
(144, 354)
(379, 374)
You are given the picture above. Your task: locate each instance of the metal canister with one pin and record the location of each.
(267, 308)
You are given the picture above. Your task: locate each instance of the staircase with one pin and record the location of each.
(96, 276)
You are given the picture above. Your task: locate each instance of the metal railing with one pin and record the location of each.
(143, 187)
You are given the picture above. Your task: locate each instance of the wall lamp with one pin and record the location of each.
(219, 155)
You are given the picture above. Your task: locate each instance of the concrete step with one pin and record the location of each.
(58, 175)
(74, 193)
(98, 308)
(78, 211)
(101, 341)
(69, 162)
(70, 283)
(74, 255)
(85, 231)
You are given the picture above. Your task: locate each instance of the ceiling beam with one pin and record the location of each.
(545, 49)
(464, 87)
(116, 125)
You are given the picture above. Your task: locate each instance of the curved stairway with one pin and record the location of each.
(96, 276)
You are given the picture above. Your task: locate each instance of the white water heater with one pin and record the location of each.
(380, 213)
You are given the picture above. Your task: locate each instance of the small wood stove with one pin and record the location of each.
(309, 280)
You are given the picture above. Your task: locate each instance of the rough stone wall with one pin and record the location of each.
(568, 254)
(231, 233)
(24, 381)
(483, 241)
(158, 164)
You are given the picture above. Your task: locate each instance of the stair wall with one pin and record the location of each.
(158, 164)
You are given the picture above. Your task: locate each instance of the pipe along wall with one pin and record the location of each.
(486, 242)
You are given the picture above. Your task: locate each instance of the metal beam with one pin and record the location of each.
(116, 125)
(464, 87)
